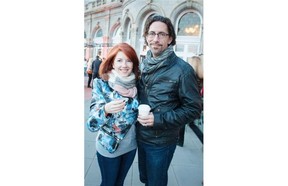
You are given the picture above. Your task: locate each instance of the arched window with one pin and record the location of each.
(117, 36)
(98, 36)
(144, 48)
(98, 41)
(189, 25)
(189, 34)
(128, 32)
(99, 33)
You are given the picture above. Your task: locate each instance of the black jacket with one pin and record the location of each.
(95, 67)
(174, 98)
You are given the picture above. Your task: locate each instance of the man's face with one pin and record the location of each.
(158, 38)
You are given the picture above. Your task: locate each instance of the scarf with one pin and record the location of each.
(125, 86)
(151, 64)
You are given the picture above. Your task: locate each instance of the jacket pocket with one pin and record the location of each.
(166, 89)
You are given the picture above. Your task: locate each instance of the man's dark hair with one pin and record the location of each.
(162, 19)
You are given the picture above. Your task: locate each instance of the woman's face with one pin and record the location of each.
(122, 65)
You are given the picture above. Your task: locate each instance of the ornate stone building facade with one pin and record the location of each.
(108, 22)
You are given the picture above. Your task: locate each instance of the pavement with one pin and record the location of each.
(186, 168)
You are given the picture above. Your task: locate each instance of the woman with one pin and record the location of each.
(197, 65)
(113, 112)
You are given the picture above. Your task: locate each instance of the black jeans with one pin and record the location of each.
(89, 80)
(181, 136)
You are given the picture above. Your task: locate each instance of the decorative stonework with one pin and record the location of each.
(126, 11)
(115, 14)
(148, 1)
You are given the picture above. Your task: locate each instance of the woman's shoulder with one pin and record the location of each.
(101, 83)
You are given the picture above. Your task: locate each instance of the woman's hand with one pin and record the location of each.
(114, 106)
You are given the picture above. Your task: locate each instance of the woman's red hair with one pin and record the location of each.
(107, 65)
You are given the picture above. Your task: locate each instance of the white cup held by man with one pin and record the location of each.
(144, 110)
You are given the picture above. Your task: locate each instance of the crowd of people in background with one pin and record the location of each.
(92, 68)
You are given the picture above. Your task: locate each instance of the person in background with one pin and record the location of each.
(168, 84)
(96, 64)
(85, 67)
(114, 107)
(89, 72)
(197, 125)
(197, 65)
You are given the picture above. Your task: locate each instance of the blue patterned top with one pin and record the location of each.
(102, 93)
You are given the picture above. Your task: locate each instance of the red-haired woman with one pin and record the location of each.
(113, 113)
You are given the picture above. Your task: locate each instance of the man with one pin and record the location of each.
(96, 64)
(168, 84)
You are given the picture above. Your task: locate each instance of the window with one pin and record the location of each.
(179, 48)
(129, 31)
(117, 36)
(99, 33)
(189, 25)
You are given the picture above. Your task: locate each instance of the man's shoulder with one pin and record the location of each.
(99, 60)
(96, 61)
(182, 65)
(180, 62)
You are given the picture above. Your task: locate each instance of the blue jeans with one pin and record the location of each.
(114, 170)
(154, 162)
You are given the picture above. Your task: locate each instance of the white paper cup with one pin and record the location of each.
(144, 110)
